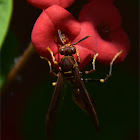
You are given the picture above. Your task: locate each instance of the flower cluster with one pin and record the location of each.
(99, 18)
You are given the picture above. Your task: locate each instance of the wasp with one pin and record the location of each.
(69, 71)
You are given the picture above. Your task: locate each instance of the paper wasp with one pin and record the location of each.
(69, 71)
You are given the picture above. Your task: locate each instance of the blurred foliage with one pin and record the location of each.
(5, 16)
(8, 53)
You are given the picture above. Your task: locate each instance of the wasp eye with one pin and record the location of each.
(61, 50)
(73, 50)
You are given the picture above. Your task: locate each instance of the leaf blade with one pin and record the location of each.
(5, 16)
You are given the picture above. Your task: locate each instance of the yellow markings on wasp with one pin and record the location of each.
(78, 57)
(77, 52)
(46, 59)
(42, 57)
(63, 38)
(86, 72)
(54, 83)
(53, 58)
(102, 80)
(55, 62)
(67, 72)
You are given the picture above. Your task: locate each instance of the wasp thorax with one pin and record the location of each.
(67, 49)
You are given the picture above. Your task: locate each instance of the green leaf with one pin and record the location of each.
(5, 16)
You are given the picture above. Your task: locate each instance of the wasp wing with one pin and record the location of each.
(53, 109)
(83, 98)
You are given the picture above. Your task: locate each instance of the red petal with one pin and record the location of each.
(64, 21)
(87, 29)
(42, 35)
(86, 56)
(45, 30)
(108, 49)
(46, 26)
(43, 4)
(106, 1)
(116, 39)
(101, 13)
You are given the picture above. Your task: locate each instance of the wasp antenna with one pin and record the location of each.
(81, 39)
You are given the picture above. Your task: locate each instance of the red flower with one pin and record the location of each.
(43, 4)
(45, 34)
(106, 1)
(110, 37)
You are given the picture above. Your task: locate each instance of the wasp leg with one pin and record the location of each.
(93, 64)
(110, 70)
(53, 58)
(96, 80)
(90, 80)
(50, 66)
(111, 64)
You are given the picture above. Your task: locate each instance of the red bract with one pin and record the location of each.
(110, 36)
(43, 4)
(106, 1)
(45, 34)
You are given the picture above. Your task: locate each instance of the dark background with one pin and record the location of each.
(24, 106)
